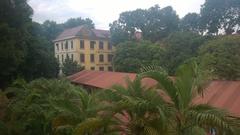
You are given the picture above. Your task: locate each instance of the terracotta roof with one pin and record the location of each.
(74, 32)
(101, 33)
(221, 94)
(104, 79)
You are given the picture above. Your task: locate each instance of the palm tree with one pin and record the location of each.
(186, 117)
(138, 110)
(48, 107)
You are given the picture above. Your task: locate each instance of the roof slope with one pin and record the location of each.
(104, 79)
(76, 32)
(221, 94)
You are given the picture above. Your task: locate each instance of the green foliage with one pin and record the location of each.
(139, 110)
(222, 56)
(190, 23)
(12, 55)
(131, 56)
(51, 29)
(47, 107)
(70, 67)
(13, 36)
(24, 50)
(180, 47)
(154, 23)
(187, 117)
(73, 22)
(219, 15)
(59, 108)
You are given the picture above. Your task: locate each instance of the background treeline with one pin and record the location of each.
(168, 41)
(27, 50)
(26, 47)
(57, 107)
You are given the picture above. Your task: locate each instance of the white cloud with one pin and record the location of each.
(102, 12)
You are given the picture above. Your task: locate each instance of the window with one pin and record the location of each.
(66, 45)
(72, 57)
(101, 68)
(58, 58)
(101, 45)
(110, 68)
(92, 58)
(92, 44)
(110, 57)
(67, 57)
(71, 44)
(62, 58)
(82, 58)
(62, 45)
(101, 58)
(92, 68)
(109, 46)
(57, 46)
(81, 44)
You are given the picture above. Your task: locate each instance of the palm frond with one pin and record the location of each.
(167, 84)
(205, 115)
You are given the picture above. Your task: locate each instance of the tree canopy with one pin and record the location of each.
(220, 15)
(70, 67)
(222, 56)
(155, 23)
(131, 56)
(25, 51)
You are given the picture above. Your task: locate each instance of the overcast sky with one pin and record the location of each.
(102, 12)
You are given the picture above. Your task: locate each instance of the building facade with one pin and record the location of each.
(89, 47)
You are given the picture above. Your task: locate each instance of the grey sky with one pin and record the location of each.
(103, 12)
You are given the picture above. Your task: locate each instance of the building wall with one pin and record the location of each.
(76, 51)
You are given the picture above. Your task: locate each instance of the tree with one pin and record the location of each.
(139, 110)
(222, 56)
(73, 22)
(131, 56)
(47, 107)
(190, 23)
(154, 23)
(24, 48)
(179, 47)
(187, 117)
(70, 67)
(51, 29)
(220, 15)
(118, 34)
(14, 16)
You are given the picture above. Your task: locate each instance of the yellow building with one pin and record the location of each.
(89, 47)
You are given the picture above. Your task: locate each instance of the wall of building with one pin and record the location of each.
(75, 51)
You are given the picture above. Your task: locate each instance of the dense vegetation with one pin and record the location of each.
(33, 106)
(26, 47)
(212, 32)
(59, 108)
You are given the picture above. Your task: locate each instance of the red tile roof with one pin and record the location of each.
(104, 79)
(74, 32)
(221, 94)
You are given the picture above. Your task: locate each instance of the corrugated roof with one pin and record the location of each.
(101, 33)
(69, 33)
(74, 32)
(221, 94)
(104, 79)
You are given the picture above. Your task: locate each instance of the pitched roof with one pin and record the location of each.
(104, 79)
(76, 32)
(221, 94)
